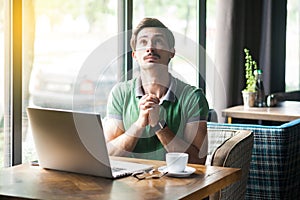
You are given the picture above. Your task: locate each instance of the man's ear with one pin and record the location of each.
(133, 54)
(172, 51)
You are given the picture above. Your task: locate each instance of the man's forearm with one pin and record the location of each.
(125, 143)
(175, 144)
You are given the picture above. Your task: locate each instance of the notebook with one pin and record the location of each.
(74, 142)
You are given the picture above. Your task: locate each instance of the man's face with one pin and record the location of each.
(152, 48)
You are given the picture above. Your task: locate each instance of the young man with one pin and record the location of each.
(156, 113)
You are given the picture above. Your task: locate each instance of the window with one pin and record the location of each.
(58, 38)
(181, 17)
(292, 76)
(61, 37)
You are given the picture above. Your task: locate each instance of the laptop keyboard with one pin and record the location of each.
(117, 169)
(120, 172)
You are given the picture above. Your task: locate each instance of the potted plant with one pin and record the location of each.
(249, 93)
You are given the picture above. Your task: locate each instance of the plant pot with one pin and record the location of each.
(248, 99)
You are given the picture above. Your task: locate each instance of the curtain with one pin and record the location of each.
(258, 25)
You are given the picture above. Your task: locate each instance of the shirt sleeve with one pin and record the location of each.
(115, 103)
(197, 107)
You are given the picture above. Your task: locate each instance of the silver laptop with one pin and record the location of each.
(74, 142)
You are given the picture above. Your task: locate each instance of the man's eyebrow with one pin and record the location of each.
(142, 36)
(155, 35)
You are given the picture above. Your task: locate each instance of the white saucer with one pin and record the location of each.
(188, 171)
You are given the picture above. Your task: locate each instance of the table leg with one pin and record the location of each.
(229, 120)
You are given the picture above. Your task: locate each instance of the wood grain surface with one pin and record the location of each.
(33, 182)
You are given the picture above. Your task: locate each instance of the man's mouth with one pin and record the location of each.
(152, 57)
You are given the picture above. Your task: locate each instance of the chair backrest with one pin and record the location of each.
(212, 115)
(274, 170)
(234, 151)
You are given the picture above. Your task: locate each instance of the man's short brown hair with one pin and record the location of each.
(151, 22)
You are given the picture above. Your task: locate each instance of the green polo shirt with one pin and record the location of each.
(182, 104)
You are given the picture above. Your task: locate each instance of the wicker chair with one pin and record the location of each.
(230, 148)
(274, 168)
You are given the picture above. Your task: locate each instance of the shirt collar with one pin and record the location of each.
(170, 95)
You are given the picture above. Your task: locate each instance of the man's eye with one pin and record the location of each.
(143, 42)
(158, 41)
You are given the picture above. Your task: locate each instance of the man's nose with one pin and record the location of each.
(150, 47)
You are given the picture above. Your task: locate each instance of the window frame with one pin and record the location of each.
(13, 82)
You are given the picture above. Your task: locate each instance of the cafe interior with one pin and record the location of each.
(68, 55)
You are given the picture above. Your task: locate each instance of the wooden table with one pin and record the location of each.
(284, 112)
(28, 181)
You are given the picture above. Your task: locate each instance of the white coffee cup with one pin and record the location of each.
(176, 162)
